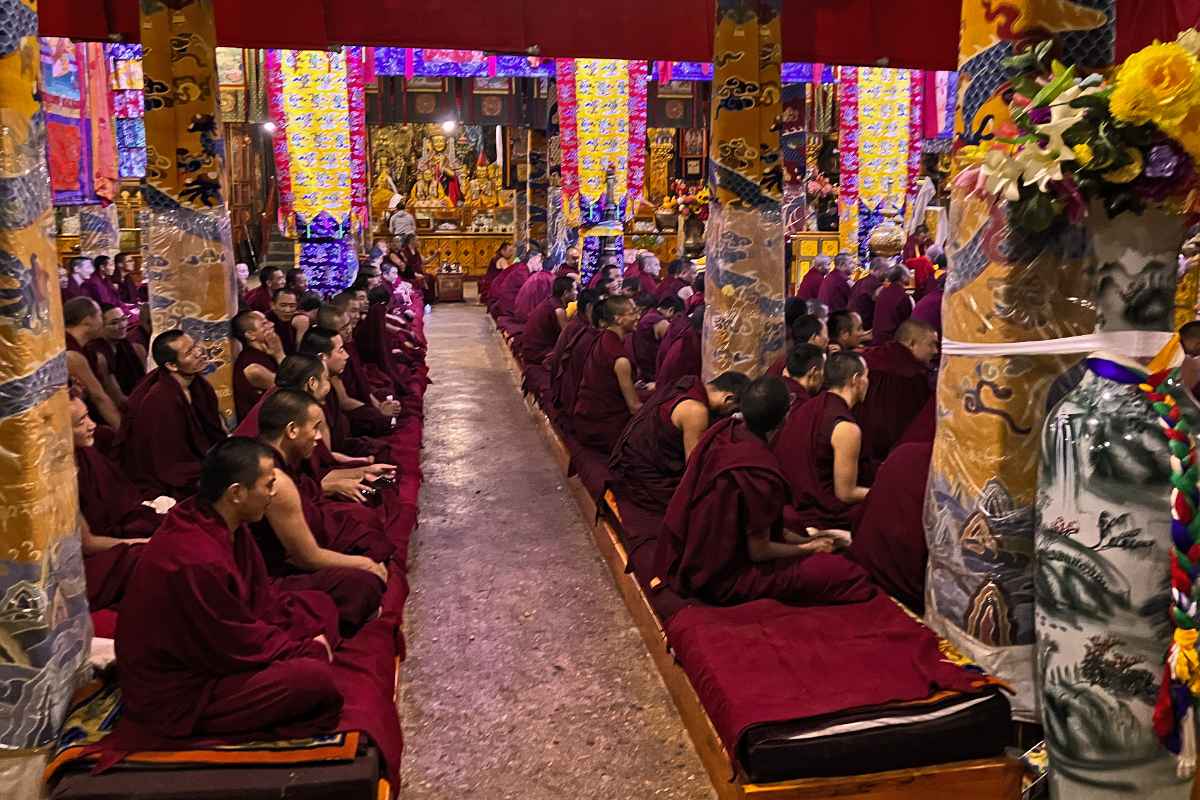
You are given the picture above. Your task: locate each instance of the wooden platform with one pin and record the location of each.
(987, 779)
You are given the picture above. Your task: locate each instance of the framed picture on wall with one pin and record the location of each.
(678, 89)
(691, 143)
(492, 85)
(693, 168)
(424, 83)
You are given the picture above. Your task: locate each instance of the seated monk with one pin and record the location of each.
(172, 420)
(503, 294)
(892, 306)
(341, 553)
(120, 362)
(866, 290)
(929, 308)
(803, 329)
(649, 458)
(208, 645)
(900, 387)
(327, 346)
(570, 352)
(680, 349)
(270, 280)
(289, 325)
(84, 324)
(116, 523)
(649, 333)
(680, 274)
(368, 415)
(724, 539)
(537, 287)
(810, 285)
(607, 397)
(805, 373)
(819, 449)
(889, 540)
(256, 365)
(546, 322)
(846, 332)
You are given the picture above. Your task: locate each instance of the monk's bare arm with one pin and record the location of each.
(79, 369)
(624, 371)
(348, 402)
(286, 516)
(561, 315)
(847, 442)
(691, 418)
(300, 324)
(761, 547)
(660, 329)
(93, 544)
(110, 380)
(260, 377)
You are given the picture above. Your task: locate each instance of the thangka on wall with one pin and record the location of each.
(125, 85)
(409, 62)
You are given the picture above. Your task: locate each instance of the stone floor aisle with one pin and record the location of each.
(525, 676)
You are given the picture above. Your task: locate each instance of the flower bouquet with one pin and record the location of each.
(1128, 141)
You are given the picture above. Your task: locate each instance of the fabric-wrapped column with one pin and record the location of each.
(537, 185)
(743, 326)
(45, 629)
(187, 250)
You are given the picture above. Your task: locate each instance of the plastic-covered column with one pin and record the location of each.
(537, 185)
(744, 274)
(45, 630)
(188, 245)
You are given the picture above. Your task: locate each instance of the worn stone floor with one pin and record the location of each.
(525, 676)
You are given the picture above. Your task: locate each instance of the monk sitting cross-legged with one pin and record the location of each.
(546, 322)
(288, 324)
(172, 420)
(340, 553)
(208, 645)
(900, 387)
(805, 373)
(649, 333)
(724, 539)
(255, 367)
(121, 363)
(566, 360)
(819, 448)
(607, 397)
(652, 452)
(327, 346)
(84, 324)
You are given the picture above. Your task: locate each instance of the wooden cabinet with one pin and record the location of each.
(472, 251)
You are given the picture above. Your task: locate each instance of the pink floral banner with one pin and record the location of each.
(638, 76)
(283, 169)
(355, 80)
(568, 133)
(916, 130)
(848, 150)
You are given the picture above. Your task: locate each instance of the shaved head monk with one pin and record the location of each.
(835, 288)
(84, 324)
(208, 646)
(271, 280)
(570, 351)
(171, 421)
(296, 536)
(607, 396)
(810, 284)
(680, 274)
(846, 332)
(255, 367)
(649, 333)
(723, 538)
(900, 387)
(819, 448)
(803, 329)
(892, 306)
(863, 295)
(284, 317)
(536, 288)
(326, 345)
(650, 456)
(122, 360)
(805, 372)
(546, 322)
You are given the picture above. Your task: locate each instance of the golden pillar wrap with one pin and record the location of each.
(744, 283)
(187, 250)
(45, 630)
(537, 185)
(979, 506)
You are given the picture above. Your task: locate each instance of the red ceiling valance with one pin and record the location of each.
(908, 33)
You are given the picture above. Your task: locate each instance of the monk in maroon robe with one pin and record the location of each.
(892, 307)
(131, 290)
(846, 332)
(680, 353)
(923, 275)
(288, 324)
(496, 267)
(810, 285)
(507, 286)
(889, 541)
(256, 365)
(546, 323)
(835, 288)
(680, 274)
(100, 286)
(83, 323)
(646, 268)
(649, 333)
(649, 458)
(900, 387)
(271, 280)
(819, 450)
(208, 646)
(171, 422)
(863, 295)
(569, 355)
(929, 308)
(327, 346)
(537, 287)
(121, 363)
(723, 538)
(607, 397)
(804, 374)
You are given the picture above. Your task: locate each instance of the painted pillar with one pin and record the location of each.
(45, 629)
(980, 501)
(743, 326)
(519, 153)
(537, 185)
(187, 250)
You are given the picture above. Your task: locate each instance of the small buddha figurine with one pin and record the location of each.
(427, 192)
(382, 193)
(479, 188)
(496, 197)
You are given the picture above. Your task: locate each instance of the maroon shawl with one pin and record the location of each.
(862, 299)
(899, 388)
(536, 288)
(810, 285)
(600, 412)
(122, 359)
(671, 287)
(286, 333)
(259, 299)
(503, 292)
(892, 307)
(929, 309)
(102, 290)
(835, 291)
(109, 501)
(245, 394)
(805, 451)
(566, 363)
(541, 331)
(646, 344)
(682, 357)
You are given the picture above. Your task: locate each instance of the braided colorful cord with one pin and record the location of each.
(1181, 673)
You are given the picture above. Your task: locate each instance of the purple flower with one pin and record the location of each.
(1040, 115)
(1168, 172)
(1162, 161)
(1073, 202)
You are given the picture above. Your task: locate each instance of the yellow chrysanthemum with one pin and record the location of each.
(1128, 172)
(1159, 84)
(1187, 133)
(1083, 154)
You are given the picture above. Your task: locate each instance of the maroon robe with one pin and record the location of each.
(208, 645)
(122, 359)
(112, 506)
(101, 289)
(899, 388)
(924, 427)
(923, 273)
(649, 459)
(835, 291)
(286, 333)
(504, 290)
(646, 344)
(131, 291)
(680, 326)
(536, 289)
(89, 354)
(163, 437)
(889, 541)
(671, 287)
(929, 309)
(246, 394)
(682, 357)
(600, 412)
(892, 307)
(566, 363)
(805, 450)
(809, 287)
(647, 284)
(541, 331)
(372, 346)
(733, 485)
(489, 277)
(799, 394)
(72, 290)
(259, 299)
(862, 299)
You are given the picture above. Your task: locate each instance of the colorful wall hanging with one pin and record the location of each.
(743, 327)
(792, 71)
(125, 84)
(45, 629)
(187, 248)
(410, 62)
(64, 98)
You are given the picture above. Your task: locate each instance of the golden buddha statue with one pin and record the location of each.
(438, 159)
(481, 191)
(495, 183)
(381, 194)
(427, 192)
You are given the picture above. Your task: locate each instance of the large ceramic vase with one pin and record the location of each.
(1102, 547)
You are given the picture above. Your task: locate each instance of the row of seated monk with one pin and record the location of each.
(237, 564)
(800, 486)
